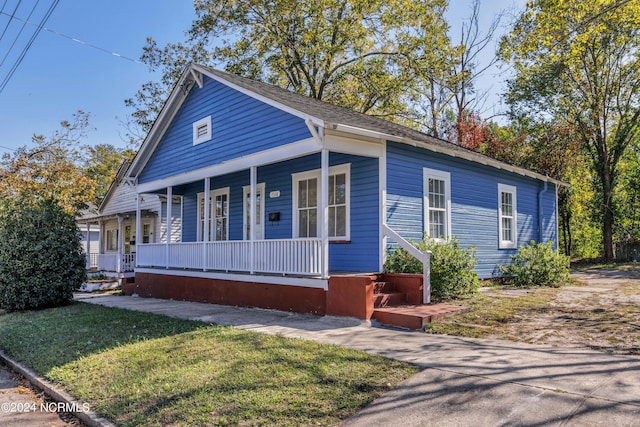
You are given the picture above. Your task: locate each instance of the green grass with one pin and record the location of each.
(144, 369)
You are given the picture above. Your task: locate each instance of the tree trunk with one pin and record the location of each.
(607, 212)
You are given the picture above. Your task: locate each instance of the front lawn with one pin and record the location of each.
(145, 369)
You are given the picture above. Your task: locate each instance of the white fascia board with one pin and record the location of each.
(274, 155)
(345, 145)
(171, 106)
(454, 153)
(261, 98)
(307, 282)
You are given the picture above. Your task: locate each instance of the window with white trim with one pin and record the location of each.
(437, 203)
(202, 130)
(507, 217)
(306, 203)
(112, 240)
(218, 215)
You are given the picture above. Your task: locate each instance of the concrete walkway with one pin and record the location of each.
(21, 407)
(464, 382)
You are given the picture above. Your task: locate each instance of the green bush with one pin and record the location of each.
(41, 260)
(452, 267)
(537, 265)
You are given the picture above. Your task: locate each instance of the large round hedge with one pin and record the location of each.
(41, 259)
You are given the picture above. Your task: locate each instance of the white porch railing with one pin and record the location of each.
(424, 257)
(109, 262)
(93, 260)
(286, 256)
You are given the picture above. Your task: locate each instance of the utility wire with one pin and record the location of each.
(75, 40)
(26, 48)
(11, 17)
(19, 33)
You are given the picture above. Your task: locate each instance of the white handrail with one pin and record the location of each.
(424, 257)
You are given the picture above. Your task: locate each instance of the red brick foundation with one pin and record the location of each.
(299, 299)
(350, 296)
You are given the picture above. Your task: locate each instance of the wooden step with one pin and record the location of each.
(413, 316)
(389, 299)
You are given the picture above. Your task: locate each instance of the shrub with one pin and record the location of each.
(41, 260)
(452, 267)
(537, 265)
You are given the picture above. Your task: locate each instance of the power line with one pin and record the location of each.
(19, 34)
(26, 48)
(11, 17)
(75, 40)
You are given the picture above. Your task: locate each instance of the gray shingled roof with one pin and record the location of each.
(331, 115)
(334, 114)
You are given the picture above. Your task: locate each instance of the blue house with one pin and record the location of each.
(278, 198)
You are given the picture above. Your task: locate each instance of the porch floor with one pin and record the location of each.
(413, 316)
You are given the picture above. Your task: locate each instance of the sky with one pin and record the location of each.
(59, 75)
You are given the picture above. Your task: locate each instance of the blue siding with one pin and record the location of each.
(241, 125)
(474, 202)
(360, 254)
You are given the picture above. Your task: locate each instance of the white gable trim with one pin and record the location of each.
(164, 119)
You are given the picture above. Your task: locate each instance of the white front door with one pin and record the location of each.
(259, 211)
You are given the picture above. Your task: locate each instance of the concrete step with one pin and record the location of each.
(389, 299)
(413, 316)
(381, 287)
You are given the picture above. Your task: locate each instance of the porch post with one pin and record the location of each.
(168, 230)
(100, 243)
(382, 194)
(138, 225)
(88, 245)
(207, 220)
(119, 253)
(324, 210)
(252, 217)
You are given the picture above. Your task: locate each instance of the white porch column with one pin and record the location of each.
(119, 253)
(252, 216)
(138, 225)
(168, 229)
(324, 210)
(88, 245)
(207, 221)
(382, 184)
(100, 242)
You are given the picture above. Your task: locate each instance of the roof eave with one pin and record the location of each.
(470, 156)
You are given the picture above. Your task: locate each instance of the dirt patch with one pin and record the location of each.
(600, 310)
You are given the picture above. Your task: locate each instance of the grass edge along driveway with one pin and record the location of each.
(145, 369)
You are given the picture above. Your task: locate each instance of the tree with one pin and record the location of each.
(101, 165)
(466, 68)
(579, 62)
(41, 259)
(50, 169)
(363, 55)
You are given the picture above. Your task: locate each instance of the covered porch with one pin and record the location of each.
(293, 217)
(114, 251)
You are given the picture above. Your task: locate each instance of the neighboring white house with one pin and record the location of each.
(110, 233)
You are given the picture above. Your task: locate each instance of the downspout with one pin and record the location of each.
(541, 212)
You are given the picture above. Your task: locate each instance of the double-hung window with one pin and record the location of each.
(507, 217)
(437, 203)
(306, 203)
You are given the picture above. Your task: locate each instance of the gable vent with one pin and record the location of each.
(202, 130)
